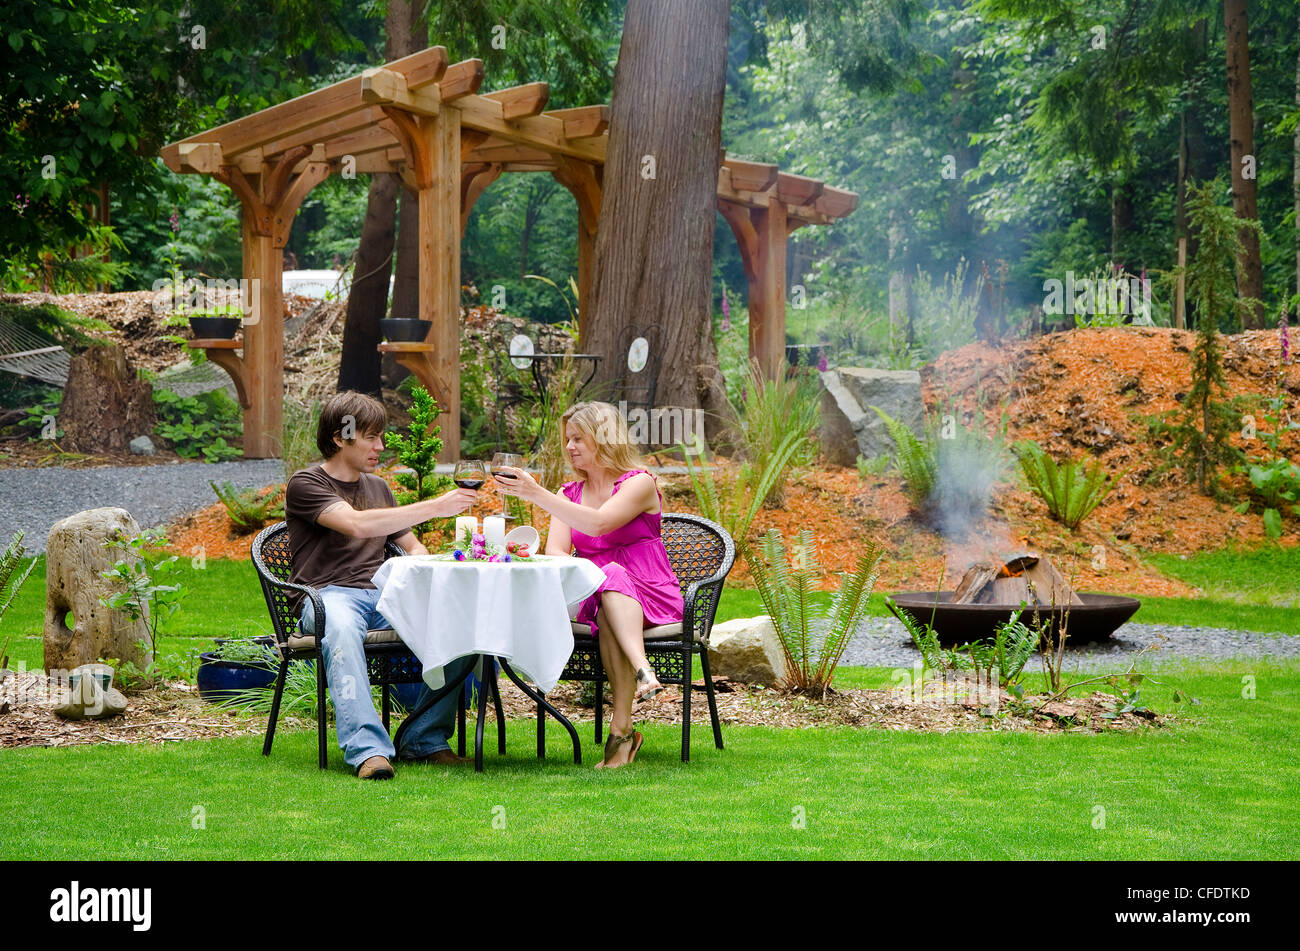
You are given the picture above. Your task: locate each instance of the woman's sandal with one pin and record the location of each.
(649, 685)
(613, 742)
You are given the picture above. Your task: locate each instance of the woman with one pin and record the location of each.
(611, 516)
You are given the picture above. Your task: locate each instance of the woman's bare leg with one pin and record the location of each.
(627, 621)
(622, 680)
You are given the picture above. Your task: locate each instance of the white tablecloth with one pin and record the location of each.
(444, 609)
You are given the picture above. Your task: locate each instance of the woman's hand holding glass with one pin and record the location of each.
(512, 480)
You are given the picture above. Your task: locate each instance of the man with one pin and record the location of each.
(340, 516)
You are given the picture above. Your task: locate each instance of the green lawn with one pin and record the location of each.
(1218, 785)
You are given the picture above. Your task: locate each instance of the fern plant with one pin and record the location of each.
(10, 562)
(248, 509)
(812, 642)
(771, 412)
(1014, 642)
(1071, 490)
(736, 508)
(916, 461)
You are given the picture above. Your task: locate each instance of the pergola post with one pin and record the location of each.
(582, 181)
(440, 268)
(761, 236)
(264, 347)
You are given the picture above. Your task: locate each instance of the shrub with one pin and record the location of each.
(813, 645)
(1071, 490)
(418, 450)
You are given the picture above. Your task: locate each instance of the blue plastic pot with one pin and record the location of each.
(218, 678)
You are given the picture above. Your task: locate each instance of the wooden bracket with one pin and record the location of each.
(222, 353)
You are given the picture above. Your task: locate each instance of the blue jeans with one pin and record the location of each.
(349, 613)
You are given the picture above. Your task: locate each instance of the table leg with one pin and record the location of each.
(500, 712)
(484, 688)
(538, 698)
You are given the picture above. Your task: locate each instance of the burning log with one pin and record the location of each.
(1027, 578)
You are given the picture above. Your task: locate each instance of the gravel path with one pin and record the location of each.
(32, 500)
(882, 642)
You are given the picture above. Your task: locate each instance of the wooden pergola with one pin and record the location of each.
(424, 120)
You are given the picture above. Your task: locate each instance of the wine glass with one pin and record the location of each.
(470, 474)
(505, 459)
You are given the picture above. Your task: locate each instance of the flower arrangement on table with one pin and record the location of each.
(478, 549)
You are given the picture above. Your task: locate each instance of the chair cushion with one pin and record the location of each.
(387, 635)
(660, 632)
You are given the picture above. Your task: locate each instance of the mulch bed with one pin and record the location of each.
(175, 712)
(169, 713)
(885, 709)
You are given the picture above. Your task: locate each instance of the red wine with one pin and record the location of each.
(502, 474)
(469, 483)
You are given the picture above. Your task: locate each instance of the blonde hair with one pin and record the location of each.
(605, 430)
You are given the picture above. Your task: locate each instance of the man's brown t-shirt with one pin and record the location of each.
(322, 556)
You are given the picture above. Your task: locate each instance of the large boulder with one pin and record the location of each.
(747, 650)
(850, 427)
(75, 562)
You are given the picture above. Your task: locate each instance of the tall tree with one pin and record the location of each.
(1241, 136)
(359, 364)
(654, 239)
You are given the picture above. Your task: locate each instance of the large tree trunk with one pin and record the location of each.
(654, 239)
(359, 367)
(1241, 135)
(1295, 175)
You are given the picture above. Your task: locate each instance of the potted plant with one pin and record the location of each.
(237, 664)
(405, 329)
(214, 323)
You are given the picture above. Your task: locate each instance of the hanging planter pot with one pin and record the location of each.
(404, 329)
(215, 328)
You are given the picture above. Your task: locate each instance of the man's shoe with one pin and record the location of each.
(446, 758)
(377, 767)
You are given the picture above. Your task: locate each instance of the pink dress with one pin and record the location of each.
(634, 560)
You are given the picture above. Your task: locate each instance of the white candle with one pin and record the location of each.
(466, 528)
(494, 530)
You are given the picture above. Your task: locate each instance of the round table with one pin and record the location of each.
(516, 611)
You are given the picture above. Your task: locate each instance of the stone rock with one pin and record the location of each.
(75, 561)
(747, 650)
(104, 402)
(142, 446)
(850, 427)
(90, 701)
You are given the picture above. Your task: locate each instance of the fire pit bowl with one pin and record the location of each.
(1096, 619)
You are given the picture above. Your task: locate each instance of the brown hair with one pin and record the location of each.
(365, 413)
(605, 429)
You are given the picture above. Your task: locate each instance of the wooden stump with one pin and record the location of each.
(104, 405)
(75, 561)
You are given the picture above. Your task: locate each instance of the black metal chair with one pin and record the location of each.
(701, 554)
(388, 660)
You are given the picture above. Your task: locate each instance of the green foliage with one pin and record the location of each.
(142, 569)
(872, 468)
(205, 425)
(10, 562)
(735, 509)
(299, 439)
(1071, 490)
(812, 643)
(247, 650)
(418, 450)
(249, 509)
(1274, 479)
(1005, 655)
(774, 411)
(917, 462)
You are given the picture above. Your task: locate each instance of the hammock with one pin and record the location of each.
(29, 354)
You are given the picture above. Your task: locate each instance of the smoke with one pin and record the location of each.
(970, 464)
